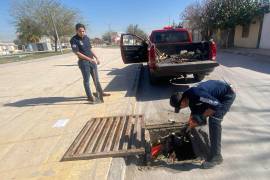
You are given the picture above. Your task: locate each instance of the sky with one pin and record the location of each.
(116, 15)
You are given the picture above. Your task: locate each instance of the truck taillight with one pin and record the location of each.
(152, 53)
(213, 51)
(152, 56)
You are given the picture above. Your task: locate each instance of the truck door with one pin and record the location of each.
(133, 49)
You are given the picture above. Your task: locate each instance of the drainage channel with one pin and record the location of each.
(108, 137)
(169, 147)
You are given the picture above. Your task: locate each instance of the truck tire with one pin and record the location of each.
(153, 80)
(198, 77)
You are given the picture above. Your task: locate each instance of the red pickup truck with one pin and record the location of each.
(170, 53)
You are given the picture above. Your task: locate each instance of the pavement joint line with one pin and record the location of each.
(32, 107)
(32, 60)
(133, 109)
(37, 138)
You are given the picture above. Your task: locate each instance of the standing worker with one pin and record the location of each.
(211, 99)
(88, 62)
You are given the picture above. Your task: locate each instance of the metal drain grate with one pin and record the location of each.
(109, 137)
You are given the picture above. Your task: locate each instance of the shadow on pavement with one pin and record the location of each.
(245, 109)
(162, 90)
(122, 79)
(44, 101)
(256, 63)
(176, 167)
(66, 65)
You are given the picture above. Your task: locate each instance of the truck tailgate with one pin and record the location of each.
(169, 69)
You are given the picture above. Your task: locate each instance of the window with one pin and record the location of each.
(245, 31)
(130, 40)
(170, 37)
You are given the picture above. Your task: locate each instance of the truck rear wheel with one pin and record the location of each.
(198, 77)
(153, 80)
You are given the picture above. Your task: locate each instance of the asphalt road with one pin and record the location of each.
(246, 134)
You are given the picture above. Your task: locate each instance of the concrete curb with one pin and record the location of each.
(48, 58)
(117, 169)
(137, 80)
(244, 53)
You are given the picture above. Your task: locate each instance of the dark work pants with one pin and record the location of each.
(88, 69)
(215, 128)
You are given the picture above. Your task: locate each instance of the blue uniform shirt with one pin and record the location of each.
(81, 45)
(207, 94)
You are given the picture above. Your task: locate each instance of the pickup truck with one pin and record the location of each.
(170, 53)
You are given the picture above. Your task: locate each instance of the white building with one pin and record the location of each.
(7, 48)
(43, 45)
(265, 35)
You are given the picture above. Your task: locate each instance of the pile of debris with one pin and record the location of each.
(183, 56)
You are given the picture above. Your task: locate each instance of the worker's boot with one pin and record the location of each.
(215, 144)
(91, 99)
(99, 97)
(216, 160)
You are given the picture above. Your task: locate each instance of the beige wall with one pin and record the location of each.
(251, 41)
(265, 37)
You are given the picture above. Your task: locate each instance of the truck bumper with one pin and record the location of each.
(176, 70)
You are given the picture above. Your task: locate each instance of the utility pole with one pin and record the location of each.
(54, 26)
(110, 32)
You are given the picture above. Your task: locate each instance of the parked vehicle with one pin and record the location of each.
(170, 53)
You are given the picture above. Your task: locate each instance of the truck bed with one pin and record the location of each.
(184, 58)
(176, 69)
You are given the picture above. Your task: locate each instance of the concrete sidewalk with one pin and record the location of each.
(35, 96)
(248, 51)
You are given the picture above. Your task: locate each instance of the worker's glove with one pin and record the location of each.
(199, 119)
(196, 120)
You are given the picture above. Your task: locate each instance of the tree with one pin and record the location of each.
(225, 15)
(193, 14)
(43, 14)
(134, 29)
(29, 31)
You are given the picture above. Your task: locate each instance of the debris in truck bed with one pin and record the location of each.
(176, 59)
(183, 56)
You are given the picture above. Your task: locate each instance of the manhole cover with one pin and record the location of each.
(109, 137)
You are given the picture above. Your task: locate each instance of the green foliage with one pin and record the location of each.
(29, 31)
(134, 29)
(222, 14)
(34, 18)
(226, 14)
(110, 37)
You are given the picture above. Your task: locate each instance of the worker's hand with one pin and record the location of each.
(192, 123)
(98, 62)
(172, 157)
(92, 61)
(208, 112)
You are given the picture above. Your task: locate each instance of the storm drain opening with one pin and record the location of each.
(116, 136)
(173, 141)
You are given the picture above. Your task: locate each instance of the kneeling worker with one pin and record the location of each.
(211, 99)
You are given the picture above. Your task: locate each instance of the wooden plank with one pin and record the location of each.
(166, 125)
(109, 142)
(134, 133)
(119, 134)
(91, 144)
(139, 132)
(108, 137)
(104, 137)
(71, 150)
(88, 137)
(127, 133)
(119, 153)
(142, 132)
